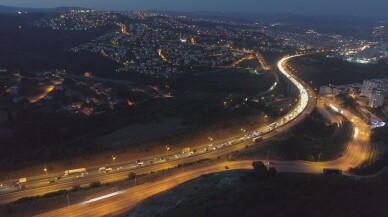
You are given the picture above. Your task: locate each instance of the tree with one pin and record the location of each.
(131, 176)
(259, 169)
(95, 184)
(272, 171)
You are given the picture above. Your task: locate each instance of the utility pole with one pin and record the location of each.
(68, 201)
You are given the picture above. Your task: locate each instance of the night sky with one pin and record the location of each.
(342, 7)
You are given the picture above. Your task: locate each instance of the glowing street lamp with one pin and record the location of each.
(113, 159)
(45, 170)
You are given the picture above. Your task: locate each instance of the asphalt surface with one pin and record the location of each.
(123, 201)
(41, 185)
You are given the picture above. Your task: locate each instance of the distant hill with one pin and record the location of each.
(10, 10)
(277, 17)
(334, 24)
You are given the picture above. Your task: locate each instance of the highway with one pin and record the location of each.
(125, 200)
(41, 185)
(44, 184)
(355, 154)
(122, 201)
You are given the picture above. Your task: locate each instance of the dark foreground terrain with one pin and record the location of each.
(242, 193)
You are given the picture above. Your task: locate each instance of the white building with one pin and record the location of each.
(377, 98)
(369, 85)
(332, 89)
(325, 90)
(340, 90)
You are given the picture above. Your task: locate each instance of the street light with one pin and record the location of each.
(45, 170)
(167, 148)
(113, 159)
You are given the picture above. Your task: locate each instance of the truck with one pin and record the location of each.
(257, 139)
(332, 171)
(22, 180)
(186, 150)
(74, 171)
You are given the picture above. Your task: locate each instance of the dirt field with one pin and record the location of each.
(138, 133)
(153, 147)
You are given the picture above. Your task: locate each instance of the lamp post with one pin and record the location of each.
(45, 170)
(113, 159)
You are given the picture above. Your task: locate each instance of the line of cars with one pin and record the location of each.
(186, 152)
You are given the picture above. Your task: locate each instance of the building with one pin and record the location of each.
(340, 90)
(331, 89)
(369, 85)
(377, 98)
(325, 90)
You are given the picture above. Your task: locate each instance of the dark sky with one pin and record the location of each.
(345, 7)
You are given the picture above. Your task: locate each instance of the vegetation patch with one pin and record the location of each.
(243, 193)
(311, 140)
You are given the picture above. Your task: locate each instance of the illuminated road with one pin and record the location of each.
(355, 154)
(358, 149)
(42, 95)
(41, 185)
(127, 199)
(123, 29)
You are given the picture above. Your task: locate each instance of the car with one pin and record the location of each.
(81, 176)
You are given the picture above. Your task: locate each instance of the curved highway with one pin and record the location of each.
(356, 152)
(44, 184)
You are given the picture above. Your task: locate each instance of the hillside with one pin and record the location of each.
(240, 193)
(9, 10)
